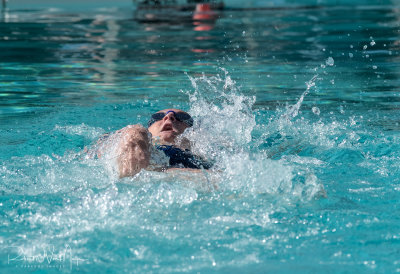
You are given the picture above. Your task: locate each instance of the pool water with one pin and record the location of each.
(298, 105)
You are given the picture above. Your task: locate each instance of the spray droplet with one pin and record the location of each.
(351, 55)
(374, 67)
(372, 43)
(330, 61)
(316, 110)
(365, 47)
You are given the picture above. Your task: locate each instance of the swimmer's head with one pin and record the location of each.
(169, 123)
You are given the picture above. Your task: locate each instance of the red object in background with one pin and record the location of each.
(204, 27)
(204, 17)
(204, 12)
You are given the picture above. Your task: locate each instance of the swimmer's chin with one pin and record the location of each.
(168, 136)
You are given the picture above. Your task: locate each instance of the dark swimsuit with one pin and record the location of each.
(178, 157)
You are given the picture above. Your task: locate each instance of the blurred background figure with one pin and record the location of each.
(177, 10)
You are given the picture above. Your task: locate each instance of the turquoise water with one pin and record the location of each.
(298, 106)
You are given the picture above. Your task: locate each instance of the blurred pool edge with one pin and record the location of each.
(95, 4)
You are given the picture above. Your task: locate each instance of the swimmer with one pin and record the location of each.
(164, 127)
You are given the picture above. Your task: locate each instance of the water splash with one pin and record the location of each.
(225, 133)
(293, 110)
(224, 115)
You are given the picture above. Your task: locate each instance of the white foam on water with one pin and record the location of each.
(35, 175)
(81, 130)
(94, 199)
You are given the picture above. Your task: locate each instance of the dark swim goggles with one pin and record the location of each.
(180, 116)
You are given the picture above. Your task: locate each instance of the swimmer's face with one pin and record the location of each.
(170, 126)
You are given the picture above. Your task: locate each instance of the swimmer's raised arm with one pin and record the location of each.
(133, 150)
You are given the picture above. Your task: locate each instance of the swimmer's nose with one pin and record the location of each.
(170, 116)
